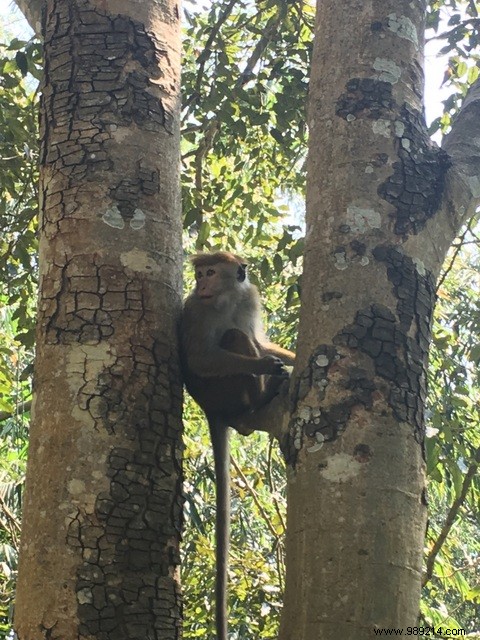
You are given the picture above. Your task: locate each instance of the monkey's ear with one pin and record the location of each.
(242, 272)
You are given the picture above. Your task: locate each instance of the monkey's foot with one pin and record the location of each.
(271, 417)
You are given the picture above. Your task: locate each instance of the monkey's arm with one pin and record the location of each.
(203, 338)
(213, 361)
(272, 349)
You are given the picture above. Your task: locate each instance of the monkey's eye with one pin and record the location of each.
(199, 275)
(210, 272)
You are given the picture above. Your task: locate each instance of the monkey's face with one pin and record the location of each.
(209, 283)
(217, 283)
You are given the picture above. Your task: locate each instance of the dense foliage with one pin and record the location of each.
(243, 151)
(452, 590)
(456, 26)
(19, 72)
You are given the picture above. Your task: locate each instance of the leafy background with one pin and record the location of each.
(245, 83)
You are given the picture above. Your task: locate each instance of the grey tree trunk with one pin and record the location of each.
(383, 206)
(32, 10)
(103, 504)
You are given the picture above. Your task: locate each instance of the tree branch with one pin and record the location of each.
(463, 143)
(461, 195)
(260, 48)
(32, 10)
(24, 407)
(213, 125)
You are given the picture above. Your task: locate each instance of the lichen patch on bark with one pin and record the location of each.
(403, 27)
(387, 70)
(341, 467)
(362, 219)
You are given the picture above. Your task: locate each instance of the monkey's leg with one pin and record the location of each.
(226, 396)
(237, 341)
(256, 404)
(247, 388)
(273, 385)
(269, 417)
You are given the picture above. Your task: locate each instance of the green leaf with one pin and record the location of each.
(22, 62)
(203, 234)
(264, 268)
(432, 451)
(278, 263)
(277, 135)
(472, 75)
(461, 69)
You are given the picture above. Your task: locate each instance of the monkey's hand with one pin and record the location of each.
(273, 366)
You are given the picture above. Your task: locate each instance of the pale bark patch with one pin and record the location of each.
(388, 70)
(361, 219)
(113, 218)
(399, 128)
(474, 184)
(76, 487)
(382, 127)
(138, 220)
(341, 467)
(403, 27)
(138, 260)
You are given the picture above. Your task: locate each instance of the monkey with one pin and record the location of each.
(231, 370)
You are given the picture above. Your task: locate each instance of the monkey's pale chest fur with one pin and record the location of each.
(241, 311)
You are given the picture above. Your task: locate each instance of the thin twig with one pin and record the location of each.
(450, 519)
(446, 35)
(212, 126)
(206, 53)
(279, 552)
(254, 495)
(271, 484)
(465, 568)
(23, 407)
(262, 45)
(456, 251)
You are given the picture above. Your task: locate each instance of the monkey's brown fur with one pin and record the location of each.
(230, 369)
(208, 259)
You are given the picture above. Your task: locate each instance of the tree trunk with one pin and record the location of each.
(103, 505)
(383, 205)
(32, 10)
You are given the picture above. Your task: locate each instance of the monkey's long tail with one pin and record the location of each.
(220, 435)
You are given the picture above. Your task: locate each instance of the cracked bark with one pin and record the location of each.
(103, 506)
(383, 206)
